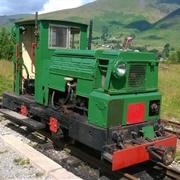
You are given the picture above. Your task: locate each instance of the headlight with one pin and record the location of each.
(119, 69)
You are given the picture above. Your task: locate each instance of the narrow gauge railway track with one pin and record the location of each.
(44, 142)
(171, 126)
(105, 169)
(151, 170)
(144, 171)
(121, 174)
(74, 151)
(170, 171)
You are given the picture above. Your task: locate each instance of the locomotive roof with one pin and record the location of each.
(32, 20)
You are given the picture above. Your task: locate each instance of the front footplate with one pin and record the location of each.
(139, 153)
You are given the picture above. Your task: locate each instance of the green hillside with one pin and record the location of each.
(152, 11)
(8, 21)
(115, 14)
(122, 18)
(153, 23)
(164, 31)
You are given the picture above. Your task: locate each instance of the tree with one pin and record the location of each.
(6, 44)
(155, 51)
(166, 50)
(104, 33)
(174, 57)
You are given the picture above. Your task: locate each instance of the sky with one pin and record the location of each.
(11, 7)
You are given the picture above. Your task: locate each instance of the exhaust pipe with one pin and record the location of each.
(90, 34)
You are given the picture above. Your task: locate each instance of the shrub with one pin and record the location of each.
(6, 44)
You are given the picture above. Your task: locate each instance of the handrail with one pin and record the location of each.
(17, 56)
(32, 56)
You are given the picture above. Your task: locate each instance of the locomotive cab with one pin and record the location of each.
(36, 41)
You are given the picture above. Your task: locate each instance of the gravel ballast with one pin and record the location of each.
(12, 164)
(19, 160)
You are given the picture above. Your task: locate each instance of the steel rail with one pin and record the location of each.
(98, 164)
(174, 127)
(0, 101)
(170, 171)
(95, 162)
(170, 122)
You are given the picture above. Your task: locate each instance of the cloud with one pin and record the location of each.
(54, 5)
(11, 7)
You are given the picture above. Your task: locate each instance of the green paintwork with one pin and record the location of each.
(94, 73)
(105, 110)
(18, 60)
(71, 65)
(148, 132)
(43, 59)
(43, 54)
(114, 112)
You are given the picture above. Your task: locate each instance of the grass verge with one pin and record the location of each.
(6, 76)
(21, 161)
(169, 85)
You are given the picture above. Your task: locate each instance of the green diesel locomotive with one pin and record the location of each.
(105, 99)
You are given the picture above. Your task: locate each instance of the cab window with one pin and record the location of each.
(64, 37)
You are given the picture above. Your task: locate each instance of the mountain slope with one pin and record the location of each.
(143, 18)
(151, 10)
(164, 31)
(9, 20)
(168, 22)
(119, 16)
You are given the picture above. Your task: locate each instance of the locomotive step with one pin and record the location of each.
(20, 119)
